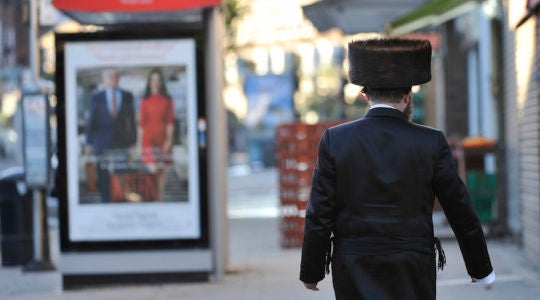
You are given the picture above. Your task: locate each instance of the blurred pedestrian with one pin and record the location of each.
(156, 127)
(374, 187)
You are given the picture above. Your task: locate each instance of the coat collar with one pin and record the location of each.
(385, 112)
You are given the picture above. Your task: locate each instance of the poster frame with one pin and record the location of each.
(123, 34)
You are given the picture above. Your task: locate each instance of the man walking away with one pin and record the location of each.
(375, 183)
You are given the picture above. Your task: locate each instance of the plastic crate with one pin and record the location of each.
(483, 205)
(296, 145)
(482, 190)
(477, 180)
(292, 231)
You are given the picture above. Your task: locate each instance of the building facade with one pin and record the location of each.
(522, 122)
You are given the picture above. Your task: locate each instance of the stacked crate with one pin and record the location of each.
(482, 190)
(296, 146)
(482, 185)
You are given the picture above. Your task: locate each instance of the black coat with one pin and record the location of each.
(373, 189)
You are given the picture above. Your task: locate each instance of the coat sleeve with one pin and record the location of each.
(457, 206)
(319, 216)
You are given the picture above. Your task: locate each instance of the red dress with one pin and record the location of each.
(155, 113)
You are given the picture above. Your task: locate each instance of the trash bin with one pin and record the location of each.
(15, 218)
(482, 189)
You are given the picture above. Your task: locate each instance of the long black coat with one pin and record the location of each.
(373, 189)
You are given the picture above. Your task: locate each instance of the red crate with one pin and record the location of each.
(292, 232)
(292, 224)
(293, 240)
(296, 150)
(292, 209)
(296, 194)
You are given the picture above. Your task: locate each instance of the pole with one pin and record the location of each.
(33, 42)
(38, 253)
(472, 92)
(38, 263)
(217, 153)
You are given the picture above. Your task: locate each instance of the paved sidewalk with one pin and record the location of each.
(260, 269)
(516, 278)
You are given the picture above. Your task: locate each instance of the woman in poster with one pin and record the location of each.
(156, 126)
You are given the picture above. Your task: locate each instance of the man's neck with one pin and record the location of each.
(385, 105)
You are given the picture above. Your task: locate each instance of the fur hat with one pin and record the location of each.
(389, 63)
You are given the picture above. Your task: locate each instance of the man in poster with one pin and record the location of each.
(111, 128)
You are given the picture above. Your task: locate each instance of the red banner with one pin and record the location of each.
(131, 5)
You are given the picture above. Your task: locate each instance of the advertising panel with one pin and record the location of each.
(131, 140)
(270, 103)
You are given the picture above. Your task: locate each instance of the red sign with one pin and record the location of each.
(132, 5)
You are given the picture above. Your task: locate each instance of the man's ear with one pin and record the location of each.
(368, 98)
(407, 98)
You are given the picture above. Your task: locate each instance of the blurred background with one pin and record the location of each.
(283, 81)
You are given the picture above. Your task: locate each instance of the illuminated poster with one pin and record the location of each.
(131, 140)
(270, 103)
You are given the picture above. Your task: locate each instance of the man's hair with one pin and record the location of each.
(393, 95)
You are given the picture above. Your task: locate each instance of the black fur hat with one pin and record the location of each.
(389, 63)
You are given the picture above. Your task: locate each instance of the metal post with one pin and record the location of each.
(440, 98)
(38, 254)
(472, 92)
(487, 106)
(217, 152)
(38, 263)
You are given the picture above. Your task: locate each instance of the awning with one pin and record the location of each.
(120, 12)
(433, 13)
(521, 11)
(353, 16)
